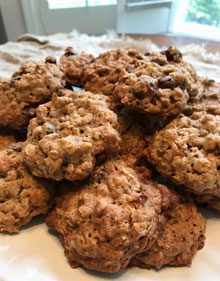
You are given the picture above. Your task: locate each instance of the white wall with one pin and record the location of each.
(149, 19)
(13, 19)
(92, 20)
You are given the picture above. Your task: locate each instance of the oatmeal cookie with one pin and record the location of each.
(22, 196)
(110, 219)
(101, 76)
(67, 134)
(73, 64)
(187, 152)
(32, 84)
(181, 236)
(161, 85)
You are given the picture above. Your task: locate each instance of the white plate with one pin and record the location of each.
(36, 255)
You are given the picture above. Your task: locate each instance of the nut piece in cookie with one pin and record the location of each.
(109, 220)
(22, 196)
(157, 86)
(187, 152)
(67, 134)
(32, 84)
(73, 64)
(181, 236)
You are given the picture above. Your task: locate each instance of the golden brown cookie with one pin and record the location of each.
(187, 152)
(161, 85)
(22, 196)
(101, 76)
(106, 222)
(73, 64)
(67, 135)
(32, 84)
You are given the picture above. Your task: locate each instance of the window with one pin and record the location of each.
(199, 18)
(62, 4)
(204, 12)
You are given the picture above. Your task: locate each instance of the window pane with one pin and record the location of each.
(204, 12)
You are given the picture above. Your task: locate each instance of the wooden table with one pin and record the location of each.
(161, 40)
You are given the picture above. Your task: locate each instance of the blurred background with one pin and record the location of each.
(194, 18)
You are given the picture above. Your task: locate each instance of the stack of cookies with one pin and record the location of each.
(117, 150)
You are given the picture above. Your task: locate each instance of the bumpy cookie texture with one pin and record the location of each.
(181, 236)
(101, 76)
(161, 85)
(73, 64)
(109, 220)
(68, 133)
(32, 84)
(22, 196)
(207, 99)
(187, 152)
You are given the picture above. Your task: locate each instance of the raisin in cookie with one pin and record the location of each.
(32, 84)
(68, 133)
(180, 237)
(187, 152)
(161, 85)
(109, 220)
(73, 64)
(22, 196)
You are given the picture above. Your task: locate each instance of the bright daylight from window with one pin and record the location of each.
(198, 18)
